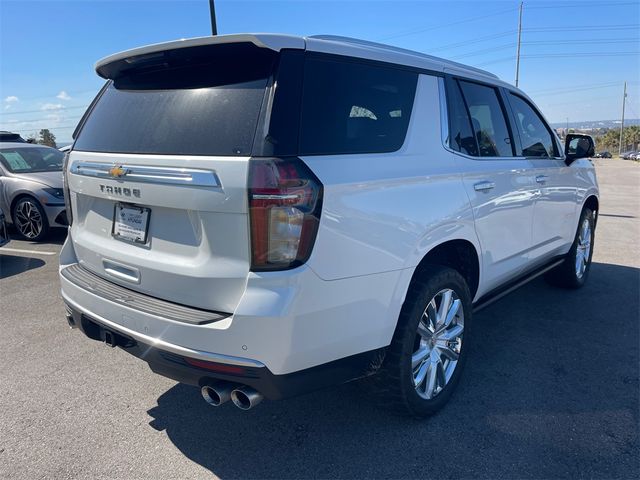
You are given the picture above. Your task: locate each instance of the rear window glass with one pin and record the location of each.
(205, 103)
(354, 108)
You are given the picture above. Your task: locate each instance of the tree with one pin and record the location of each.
(610, 140)
(47, 138)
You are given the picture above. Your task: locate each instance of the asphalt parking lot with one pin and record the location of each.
(550, 391)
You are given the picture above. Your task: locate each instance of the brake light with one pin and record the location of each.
(285, 201)
(65, 186)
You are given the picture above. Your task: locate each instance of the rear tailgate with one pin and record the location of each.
(166, 148)
(197, 247)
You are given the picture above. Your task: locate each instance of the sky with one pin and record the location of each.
(576, 55)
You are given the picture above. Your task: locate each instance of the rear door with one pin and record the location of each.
(499, 184)
(158, 174)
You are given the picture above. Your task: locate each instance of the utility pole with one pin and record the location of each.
(518, 51)
(624, 100)
(212, 11)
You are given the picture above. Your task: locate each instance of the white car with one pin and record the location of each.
(265, 215)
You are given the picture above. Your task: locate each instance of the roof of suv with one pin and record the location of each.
(318, 43)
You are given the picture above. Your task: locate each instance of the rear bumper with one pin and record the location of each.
(286, 327)
(203, 368)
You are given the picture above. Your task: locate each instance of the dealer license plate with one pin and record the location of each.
(131, 223)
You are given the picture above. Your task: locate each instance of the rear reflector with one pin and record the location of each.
(285, 201)
(216, 367)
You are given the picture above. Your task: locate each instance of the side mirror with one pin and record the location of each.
(578, 146)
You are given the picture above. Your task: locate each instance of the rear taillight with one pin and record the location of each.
(285, 201)
(65, 185)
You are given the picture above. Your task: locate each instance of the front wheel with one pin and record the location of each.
(30, 219)
(573, 272)
(426, 356)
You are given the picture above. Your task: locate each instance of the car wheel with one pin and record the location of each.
(30, 220)
(573, 272)
(422, 365)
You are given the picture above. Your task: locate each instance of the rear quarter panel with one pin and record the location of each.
(384, 212)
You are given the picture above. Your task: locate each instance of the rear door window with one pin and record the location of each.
(350, 107)
(202, 103)
(487, 120)
(461, 138)
(535, 136)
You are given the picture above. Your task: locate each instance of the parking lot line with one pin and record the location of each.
(33, 252)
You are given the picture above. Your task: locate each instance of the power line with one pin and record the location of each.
(564, 92)
(486, 50)
(587, 86)
(62, 109)
(581, 6)
(580, 54)
(560, 55)
(41, 119)
(30, 129)
(53, 96)
(579, 42)
(449, 24)
(575, 102)
(545, 42)
(474, 40)
(626, 26)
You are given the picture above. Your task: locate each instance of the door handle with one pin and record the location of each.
(542, 179)
(483, 186)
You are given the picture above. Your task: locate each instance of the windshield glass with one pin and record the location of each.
(31, 159)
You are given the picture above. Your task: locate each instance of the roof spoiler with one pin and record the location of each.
(112, 66)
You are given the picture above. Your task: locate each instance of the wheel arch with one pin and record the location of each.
(460, 255)
(592, 203)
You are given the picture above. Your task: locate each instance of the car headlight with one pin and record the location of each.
(55, 192)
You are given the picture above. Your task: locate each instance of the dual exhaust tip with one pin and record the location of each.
(242, 397)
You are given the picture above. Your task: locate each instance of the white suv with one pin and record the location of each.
(264, 215)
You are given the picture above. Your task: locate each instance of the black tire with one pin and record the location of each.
(566, 274)
(25, 223)
(395, 381)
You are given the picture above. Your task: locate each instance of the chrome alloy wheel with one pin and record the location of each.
(28, 219)
(437, 344)
(584, 248)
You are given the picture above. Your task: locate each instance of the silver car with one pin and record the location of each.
(4, 236)
(31, 189)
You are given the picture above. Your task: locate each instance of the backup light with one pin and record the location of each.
(285, 200)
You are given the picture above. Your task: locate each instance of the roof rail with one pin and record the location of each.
(367, 43)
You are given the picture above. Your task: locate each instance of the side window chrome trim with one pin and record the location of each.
(444, 113)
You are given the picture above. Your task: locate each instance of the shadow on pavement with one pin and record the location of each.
(11, 265)
(550, 391)
(56, 236)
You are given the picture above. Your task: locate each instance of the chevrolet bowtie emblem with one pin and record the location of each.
(117, 171)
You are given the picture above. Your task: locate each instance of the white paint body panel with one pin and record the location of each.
(382, 213)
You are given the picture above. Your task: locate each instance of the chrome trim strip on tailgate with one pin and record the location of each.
(86, 280)
(147, 174)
